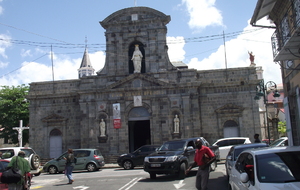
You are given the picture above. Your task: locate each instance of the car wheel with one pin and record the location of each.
(127, 165)
(213, 166)
(152, 175)
(35, 161)
(181, 173)
(91, 167)
(52, 170)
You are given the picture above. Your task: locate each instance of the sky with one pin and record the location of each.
(30, 30)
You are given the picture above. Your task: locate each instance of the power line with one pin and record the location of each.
(24, 65)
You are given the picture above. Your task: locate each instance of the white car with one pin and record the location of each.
(283, 141)
(226, 143)
(235, 151)
(267, 168)
(34, 160)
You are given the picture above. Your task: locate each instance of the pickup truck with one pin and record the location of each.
(174, 157)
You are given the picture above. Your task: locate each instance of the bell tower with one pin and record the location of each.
(142, 26)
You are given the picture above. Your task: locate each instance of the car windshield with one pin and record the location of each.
(7, 153)
(277, 142)
(238, 151)
(278, 167)
(172, 146)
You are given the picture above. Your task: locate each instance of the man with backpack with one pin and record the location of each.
(23, 165)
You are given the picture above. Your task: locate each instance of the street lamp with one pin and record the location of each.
(261, 90)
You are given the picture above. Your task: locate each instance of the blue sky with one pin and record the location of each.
(30, 29)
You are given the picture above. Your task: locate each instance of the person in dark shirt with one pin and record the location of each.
(256, 138)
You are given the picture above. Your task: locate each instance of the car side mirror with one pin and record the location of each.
(190, 148)
(229, 158)
(244, 177)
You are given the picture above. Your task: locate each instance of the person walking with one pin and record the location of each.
(256, 138)
(203, 158)
(23, 165)
(70, 163)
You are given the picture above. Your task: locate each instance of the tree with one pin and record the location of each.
(282, 128)
(13, 107)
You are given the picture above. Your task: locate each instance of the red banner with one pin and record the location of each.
(117, 123)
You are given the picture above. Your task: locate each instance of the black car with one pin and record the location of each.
(136, 158)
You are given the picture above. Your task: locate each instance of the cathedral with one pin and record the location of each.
(139, 97)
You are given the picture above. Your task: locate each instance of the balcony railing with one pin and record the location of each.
(285, 40)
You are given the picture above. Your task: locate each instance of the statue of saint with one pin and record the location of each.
(251, 57)
(137, 59)
(176, 124)
(102, 128)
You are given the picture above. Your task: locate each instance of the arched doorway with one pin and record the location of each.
(55, 143)
(139, 133)
(231, 129)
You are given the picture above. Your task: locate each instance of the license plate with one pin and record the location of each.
(155, 165)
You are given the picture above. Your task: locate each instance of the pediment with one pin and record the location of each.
(229, 109)
(53, 118)
(138, 81)
(123, 16)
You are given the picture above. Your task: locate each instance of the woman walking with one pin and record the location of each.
(70, 163)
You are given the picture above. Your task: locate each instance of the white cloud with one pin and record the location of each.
(3, 64)
(4, 43)
(176, 51)
(25, 53)
(203, 9)
(63, 68)
(258, 42)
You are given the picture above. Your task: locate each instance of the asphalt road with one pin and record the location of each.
(119, 179)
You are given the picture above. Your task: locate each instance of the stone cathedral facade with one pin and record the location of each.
(119, 110)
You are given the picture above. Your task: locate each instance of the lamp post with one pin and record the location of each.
(261, 90)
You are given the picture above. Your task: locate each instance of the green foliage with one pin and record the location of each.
(13, 108)
(282, 128)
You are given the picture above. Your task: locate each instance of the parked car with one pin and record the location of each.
(283, 141)
(136, 158)
(226, 143)
(235, 151)
(3, 165)
(267, 168)
(174, 157)
(34, 160)
(267, 141)
(87, 159)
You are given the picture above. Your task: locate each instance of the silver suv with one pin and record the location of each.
(34, 160)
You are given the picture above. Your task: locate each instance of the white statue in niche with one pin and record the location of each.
(102, 128)
(176, 124)
(137, 59)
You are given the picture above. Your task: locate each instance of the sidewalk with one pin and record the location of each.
(111, 165)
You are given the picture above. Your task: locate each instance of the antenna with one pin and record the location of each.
(85, 42)
(225, 54)
(52, 69)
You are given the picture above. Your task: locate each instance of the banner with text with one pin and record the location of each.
(117, 115)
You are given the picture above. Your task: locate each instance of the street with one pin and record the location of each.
(120, 179)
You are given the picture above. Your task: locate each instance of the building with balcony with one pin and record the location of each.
(285, 14)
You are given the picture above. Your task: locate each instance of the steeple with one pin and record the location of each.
(86, 68)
